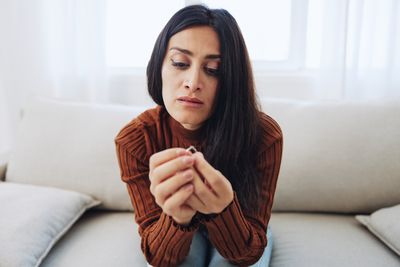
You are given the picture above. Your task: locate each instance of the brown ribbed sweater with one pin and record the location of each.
(239, 237)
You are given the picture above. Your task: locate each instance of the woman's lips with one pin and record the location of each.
(190, 101)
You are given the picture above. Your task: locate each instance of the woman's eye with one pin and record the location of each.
(212, 71)
(179, 65)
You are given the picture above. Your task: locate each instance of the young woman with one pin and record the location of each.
(209, 207)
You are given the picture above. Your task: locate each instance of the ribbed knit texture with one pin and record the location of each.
(239, 237)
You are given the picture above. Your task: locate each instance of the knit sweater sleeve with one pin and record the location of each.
(240, 237)
(163, 241)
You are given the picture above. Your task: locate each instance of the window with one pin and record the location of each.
(274, 31)
(132, 29)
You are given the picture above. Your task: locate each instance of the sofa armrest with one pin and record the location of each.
(3, 165)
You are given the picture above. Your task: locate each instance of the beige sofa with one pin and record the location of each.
(341, 159)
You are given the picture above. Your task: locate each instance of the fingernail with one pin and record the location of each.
(187, 160)
(181, 152)
(188, 187)
(188, 175)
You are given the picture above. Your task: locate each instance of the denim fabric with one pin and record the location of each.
(198, 253)
(266, 256)
(203, 254)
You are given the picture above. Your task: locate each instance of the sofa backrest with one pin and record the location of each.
(337, 157)
(71, 146)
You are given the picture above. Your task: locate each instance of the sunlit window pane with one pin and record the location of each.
(265, 26)
(314, 33)
(133, 27)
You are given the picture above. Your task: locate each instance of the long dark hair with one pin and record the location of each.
(232, 129)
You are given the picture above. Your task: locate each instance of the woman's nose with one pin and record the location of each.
(193, 81)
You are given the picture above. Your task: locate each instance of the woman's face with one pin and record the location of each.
(190, 75)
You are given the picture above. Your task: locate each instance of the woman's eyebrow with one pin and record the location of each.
(190, 53)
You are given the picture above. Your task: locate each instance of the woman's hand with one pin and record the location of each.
(171, 176)
(215, 193)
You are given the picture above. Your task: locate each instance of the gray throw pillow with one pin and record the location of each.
(385, 224)
(33, 218)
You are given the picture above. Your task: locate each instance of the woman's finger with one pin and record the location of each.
(196, 204)
(206, 195)
(169, 168)
(166, 155)
(171, 185)
(214, 179)
(172, 206)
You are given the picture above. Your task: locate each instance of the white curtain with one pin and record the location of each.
(57, 48)
(49, 48)
(358, 53)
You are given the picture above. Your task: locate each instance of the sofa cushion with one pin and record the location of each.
(99, 239)
(111, 239)
(308, 240)
(33, 218)
(385, 224)
(338, 156)
(71, 146)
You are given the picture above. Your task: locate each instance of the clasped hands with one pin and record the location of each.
(183, 183)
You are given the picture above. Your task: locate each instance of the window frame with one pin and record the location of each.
(288, 78)
(297, 43)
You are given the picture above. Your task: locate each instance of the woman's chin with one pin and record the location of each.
(189, 119)
(190, 123)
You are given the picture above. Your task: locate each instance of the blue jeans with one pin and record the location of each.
(202, 253)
